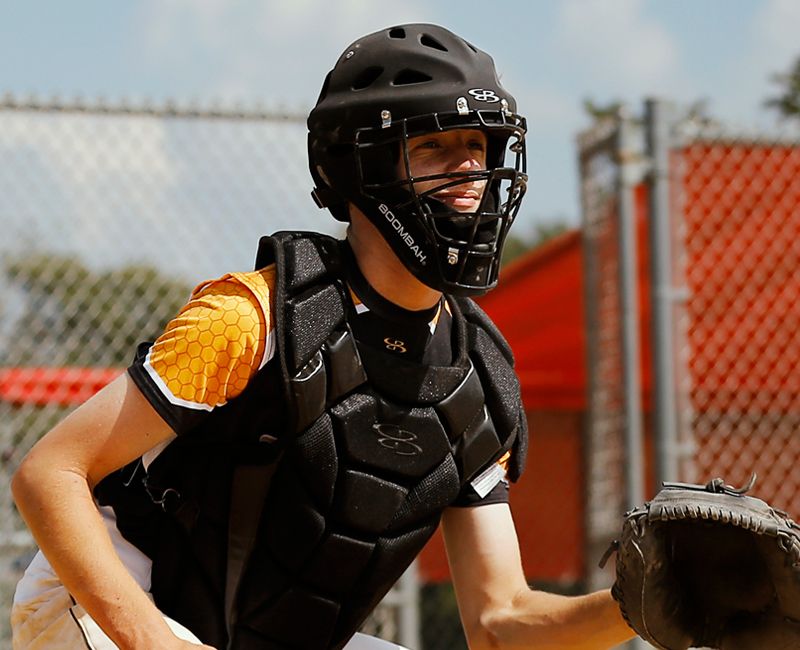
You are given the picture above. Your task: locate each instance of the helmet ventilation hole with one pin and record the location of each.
(397, 32)
(429, 41)
(407, 77)
(367, 77)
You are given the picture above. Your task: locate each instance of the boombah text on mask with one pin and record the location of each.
(400, 229)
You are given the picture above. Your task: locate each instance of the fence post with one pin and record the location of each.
(404, 596)
(629, 312)
(409, 612)
(628, 157)
(657, 133)
(602, 443)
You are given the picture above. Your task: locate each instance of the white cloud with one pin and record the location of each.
(768, 48)
(775, 30)
(169, 23)
(617, 44)
(88, 171)
(546, 108)
(265, 49)
(188, 196)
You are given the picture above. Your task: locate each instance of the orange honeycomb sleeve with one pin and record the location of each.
(218, 341)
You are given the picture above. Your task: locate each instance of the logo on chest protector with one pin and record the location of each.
(398, 440)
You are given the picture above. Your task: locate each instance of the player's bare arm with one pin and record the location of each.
(53, 491)
(497, 607)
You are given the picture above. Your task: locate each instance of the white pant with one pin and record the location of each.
(53, 621)
(60, 624)
(45, 617)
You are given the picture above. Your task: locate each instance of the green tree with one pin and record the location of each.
(543, 231)
(787, 102)
(72, 315)
(697, 112)
(602, 112)
(513, 248)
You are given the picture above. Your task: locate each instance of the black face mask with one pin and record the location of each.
(398, 83)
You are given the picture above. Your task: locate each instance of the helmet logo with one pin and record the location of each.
(484, 95)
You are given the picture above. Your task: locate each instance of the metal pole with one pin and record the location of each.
(591, 543)
(408, 615)
(662, 293)
(629, 313)
(629, 320)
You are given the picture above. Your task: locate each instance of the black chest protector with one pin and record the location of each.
(374, 449)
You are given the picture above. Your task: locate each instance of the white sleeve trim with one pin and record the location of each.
(269, 348)
(166, 392)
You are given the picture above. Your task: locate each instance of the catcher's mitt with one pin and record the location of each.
(707, 566)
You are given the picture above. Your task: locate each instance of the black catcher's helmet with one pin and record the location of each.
(398, 83)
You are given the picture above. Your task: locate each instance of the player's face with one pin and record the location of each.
(449, 151)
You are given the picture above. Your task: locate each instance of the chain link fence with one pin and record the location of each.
(712, 298)
(740, 198)
(604, 451)
(109, 216)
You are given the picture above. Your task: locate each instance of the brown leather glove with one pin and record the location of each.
(709, 566)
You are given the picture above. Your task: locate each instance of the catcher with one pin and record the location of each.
(708, 566)
(271, 464)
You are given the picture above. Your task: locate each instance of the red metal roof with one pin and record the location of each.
(55, 386)
(538, 305)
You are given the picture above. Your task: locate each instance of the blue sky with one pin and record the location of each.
(552, 54)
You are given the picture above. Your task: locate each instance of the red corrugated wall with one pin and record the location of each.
(538, 305)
